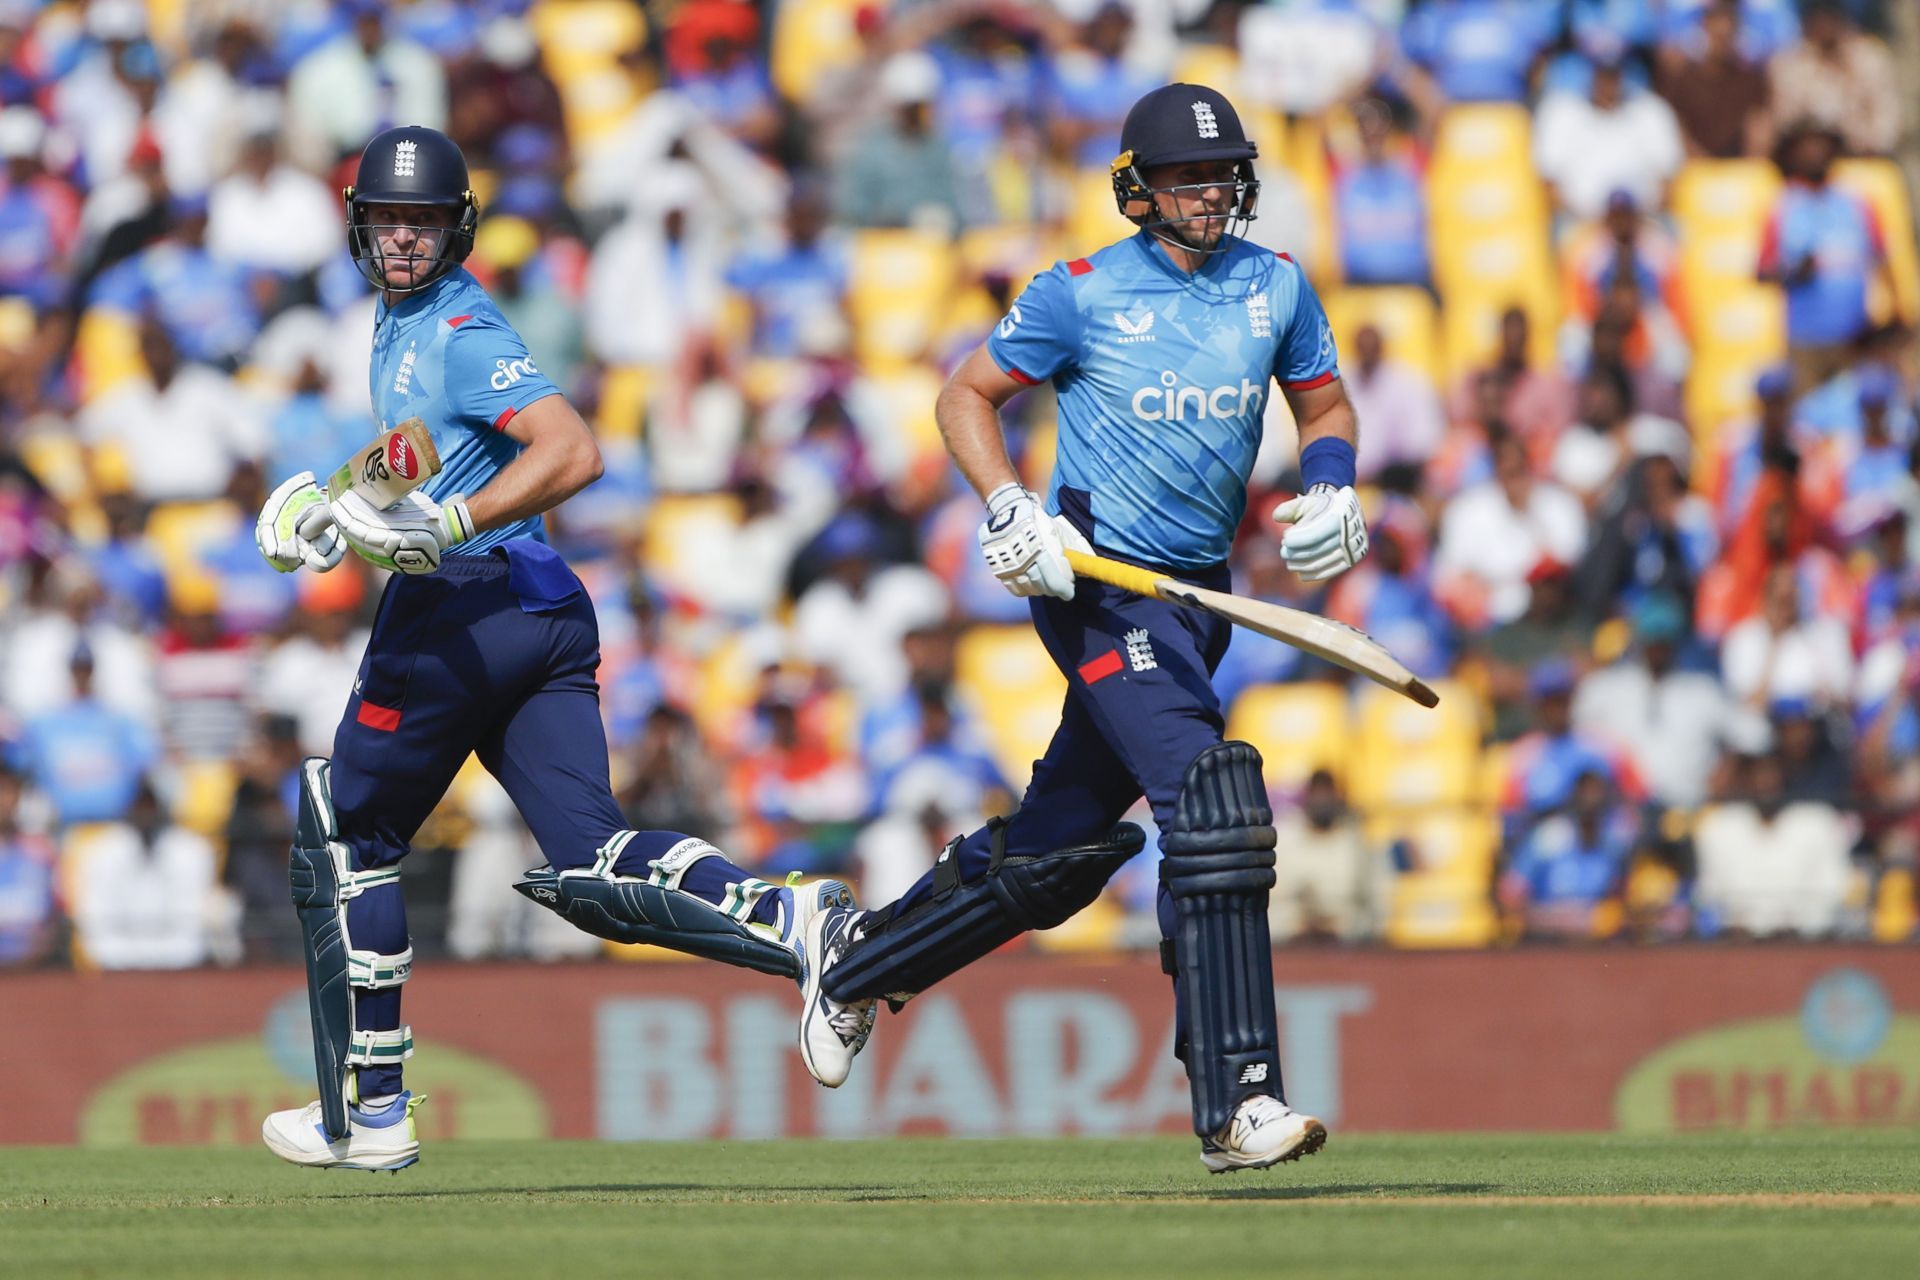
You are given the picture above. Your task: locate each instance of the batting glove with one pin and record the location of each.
(408, 537)
(1329, 535)
(1025, 547)
(295, 527)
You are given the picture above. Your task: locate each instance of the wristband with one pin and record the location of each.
(456, 521)
(1328, 460)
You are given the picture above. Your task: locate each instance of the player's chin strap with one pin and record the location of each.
(1218, 864)
(653, 909)
(324, 881)
(1136, 201)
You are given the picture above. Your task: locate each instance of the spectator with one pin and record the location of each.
(1840, 77)
(1598, 451)
(1550, 631)
(1493, 535)
(800, 795)
(1380, 206)
(1402, 413)
(1537, 402)
(1668, 720)
(144, 891)
(852, 620)
(483, 922)
(101, 100)
(88, 758)
(205, 675)
(794, 285)
(1876, 466)
(207, 103)
(1720, 96)
(268, 215)
(1572, 867)
(39, 216)
(523, 285)
(500, 88)
(309, 431)
(130, 575)
(669, 778)
(309, 677)
(1092, 82)
(901, 173)
(1782, 652)
(1765, 28)
(661, 240)
(29, 914)
(1474, 50)
(1824, 246)
(1653, 536)
(358, 83)
(65, 615)
(1748, 449)
(1332, 886)
(944, 765)
(896, 849)
(1815, 766)
(1390, 596)
(1611, 140)
(1546, 766)
(710, 52)
(258, 835)
(1312, 54)
(1768, 865)
(1624, 273)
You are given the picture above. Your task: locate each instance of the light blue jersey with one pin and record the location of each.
(446, 356)
(1163, 377)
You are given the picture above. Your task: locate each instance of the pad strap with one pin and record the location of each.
(380, 1048)
(371, 970)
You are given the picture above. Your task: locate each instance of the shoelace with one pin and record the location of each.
(853, 1023)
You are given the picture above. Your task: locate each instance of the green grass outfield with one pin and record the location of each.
(1833, 1205)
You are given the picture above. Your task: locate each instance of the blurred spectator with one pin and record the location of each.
(1720, 96)
(39, 215)
(1587, 148)
(211, 102)
(1624, 273)
(181, 428)
(1770, 866)
(308, 431)
(1783, 652)
(1815, 766)
(211, 308)
(121, 216)
(88, 758)
(1546, 765)
(852, 620)
(1494, 534)
(205, 676)
(145, 886)
(1873, 468)
(1402, 413)
(660, 240)
(500, 87)
(129, 574)
(258, 835)
(944, 765)
(1537, 402)
(484, 920)
(1653, 535)
(64, 615)
(1748, 449)
(669, 776)
(1389, 596)
(710, 52)
(1824, 245)
(1550, 632)
(1667, 719)
(1597, 451)
(524, 289)
(1332, 885)
(794, 285)
(309, 677)
(29, 914)
(1255, 659)
(360, 82)
(896, 849)
(1380, 205)
(1475, 50)
(1573, 865)
(269, 215)
(1841, 77)
(901, 173)
(1765, 27)
(801, 797)
(1092, 82)
(102, 101)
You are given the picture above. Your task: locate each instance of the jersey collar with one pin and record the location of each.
(1156, 254)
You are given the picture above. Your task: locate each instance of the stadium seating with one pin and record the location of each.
(1404, 316)
(1297, 729)
(901, 285)
(580, 43)
(1407, 757)
(1008, 676)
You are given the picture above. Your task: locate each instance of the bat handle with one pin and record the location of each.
(1143, 582)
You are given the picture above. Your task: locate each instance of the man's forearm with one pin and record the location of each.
(970, 425)
(1337, 422)
(551, 470)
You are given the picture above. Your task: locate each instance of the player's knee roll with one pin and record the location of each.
(1221, 839)
(1045, 892)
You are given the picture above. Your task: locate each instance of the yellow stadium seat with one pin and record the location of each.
(623, 402)
(1894, 915)
(205, 801)
(1470, 320)
(1733, 195)
(1490, 789)
(1410, 757)
(1404, 316)
(678, 525)
(107, 348)
(1484, 137)
(1094, 219)
(1096, 928)
(1437, 911)
(580, 44)
(809, 36)
(1452, 842)
(1297, 729)
(57, 461)
(728, 680)
(180, 531)
(900, 288)
(1883, 186)
(1009, 678)
(909, 394)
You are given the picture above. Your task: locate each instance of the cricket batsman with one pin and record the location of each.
(1161, 348)
(485, 642)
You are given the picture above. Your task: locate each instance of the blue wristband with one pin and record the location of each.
(1328, 460)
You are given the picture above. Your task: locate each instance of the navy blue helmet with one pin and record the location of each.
(1177, 124)
(410, 164)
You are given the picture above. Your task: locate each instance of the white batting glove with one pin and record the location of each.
(408, 537)
(1329, 535)
(1025, 547)
(296, 528)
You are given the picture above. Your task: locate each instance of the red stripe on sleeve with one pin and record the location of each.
(1285, 256)
(1101, 667)
(1024, 379)
(1079, 267)
(1311, 383)
(385, 719)
(454, 322)
(506, 416)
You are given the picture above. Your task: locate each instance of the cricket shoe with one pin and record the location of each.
(379, 1139)
(1264, 1131)
(797, 904)
(831, 1033)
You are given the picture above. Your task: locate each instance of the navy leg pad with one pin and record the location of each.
(1218, 865)
(901, 955)
(317, 900)
(628, 909)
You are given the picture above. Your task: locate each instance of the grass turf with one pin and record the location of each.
(1844, 1203)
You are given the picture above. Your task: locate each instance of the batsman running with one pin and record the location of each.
(1161, 348)
(485, 642)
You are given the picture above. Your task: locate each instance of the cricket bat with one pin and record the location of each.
(1336, 642)
(387, 469)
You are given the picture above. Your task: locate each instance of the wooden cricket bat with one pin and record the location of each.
(387, 469)
(1337, 642)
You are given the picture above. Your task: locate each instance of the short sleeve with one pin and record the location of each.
(490, 376)
(1306, 358)
(1040, 335)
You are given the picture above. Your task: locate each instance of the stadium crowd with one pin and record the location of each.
(1623, 290)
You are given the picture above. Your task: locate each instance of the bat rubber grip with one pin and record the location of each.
(1127, 577)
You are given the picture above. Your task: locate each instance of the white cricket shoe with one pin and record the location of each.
(383, 1139)
(1264, 1131)
(798, 903)
(831, 1033)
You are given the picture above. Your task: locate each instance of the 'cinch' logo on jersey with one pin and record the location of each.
(508, 372)
(1171, 402)
(1134, 330)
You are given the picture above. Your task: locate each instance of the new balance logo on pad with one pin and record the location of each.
(1254, 1073)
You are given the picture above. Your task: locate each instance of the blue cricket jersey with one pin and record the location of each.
(1163, 377)
(448, 357)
